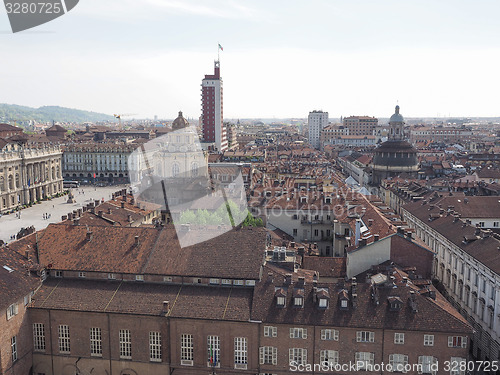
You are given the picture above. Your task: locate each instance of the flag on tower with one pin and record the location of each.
(220, 47)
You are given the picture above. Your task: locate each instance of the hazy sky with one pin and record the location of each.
(281, 58)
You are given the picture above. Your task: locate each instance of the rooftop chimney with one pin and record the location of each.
(136, 240)
(76, 221)
(129, 218)
(123, 204)
(89, 236)
(376, 237)
(109, 210)
(288, 278)
(99, 213)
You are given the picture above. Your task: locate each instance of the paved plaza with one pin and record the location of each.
(10, 224)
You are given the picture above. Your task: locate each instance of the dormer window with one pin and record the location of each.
(298, 301)
(280, 295)
(298, 297)
(395, 303)
(344, 299)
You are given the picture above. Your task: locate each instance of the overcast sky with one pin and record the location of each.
(281, 58)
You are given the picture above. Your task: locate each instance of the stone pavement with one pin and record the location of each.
(10, 224)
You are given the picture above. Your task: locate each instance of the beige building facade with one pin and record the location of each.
(28, 174)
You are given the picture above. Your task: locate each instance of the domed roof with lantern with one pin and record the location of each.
(180, 122)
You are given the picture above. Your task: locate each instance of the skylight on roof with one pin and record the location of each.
(7, 268)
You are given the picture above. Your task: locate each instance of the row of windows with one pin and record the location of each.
(364, 336)
(95, 340)
(196, 280)
(268, 355)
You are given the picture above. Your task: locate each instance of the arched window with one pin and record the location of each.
(175, 170)
(194, 169)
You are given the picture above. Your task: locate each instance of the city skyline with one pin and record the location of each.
(148, 58)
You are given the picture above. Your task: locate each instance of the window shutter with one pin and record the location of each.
(304, 355)
(305, 333)
(450, 341)
(291, 333)
(290, 355)
(372, 336)
(275, 356)
(421, 363)
(358, 336)
(323, 334)
(275, 331)
(261, 355)
(372, 357)
(405, 361)
(464, 341)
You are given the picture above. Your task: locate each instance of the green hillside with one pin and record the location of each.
(12, 112)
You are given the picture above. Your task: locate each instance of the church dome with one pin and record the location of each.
(397, 117)
(180, 122)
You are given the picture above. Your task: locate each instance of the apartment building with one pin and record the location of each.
(467, 267)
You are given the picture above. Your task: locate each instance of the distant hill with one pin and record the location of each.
(13, 112)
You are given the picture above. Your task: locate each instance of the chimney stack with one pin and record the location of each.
(123, 204)
(288, 278)
(89, 236)
(136, 240)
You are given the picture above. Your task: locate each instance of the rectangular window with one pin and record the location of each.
(457, 341)
(329, 357)
(427, 364)
(330, 334)
(155, 346)
(13, 347)
(457, 366)
(58, 273)
(270, 331)
(295, 232)
(297, 356)
(268, 355)
(39, 337)
(399, 338)
(238, 282)
(139, 277)
(240, 353)
(81, 274)
(12, 310)
(125, 344)
(398, 362)
(365, 336)
(111, 276)
(95, 342)
(213, 351)
(364, 359)
(298, 333)
(428, 340)
(64, 344)
(187, 350)
(214, 281)
(226, 282)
